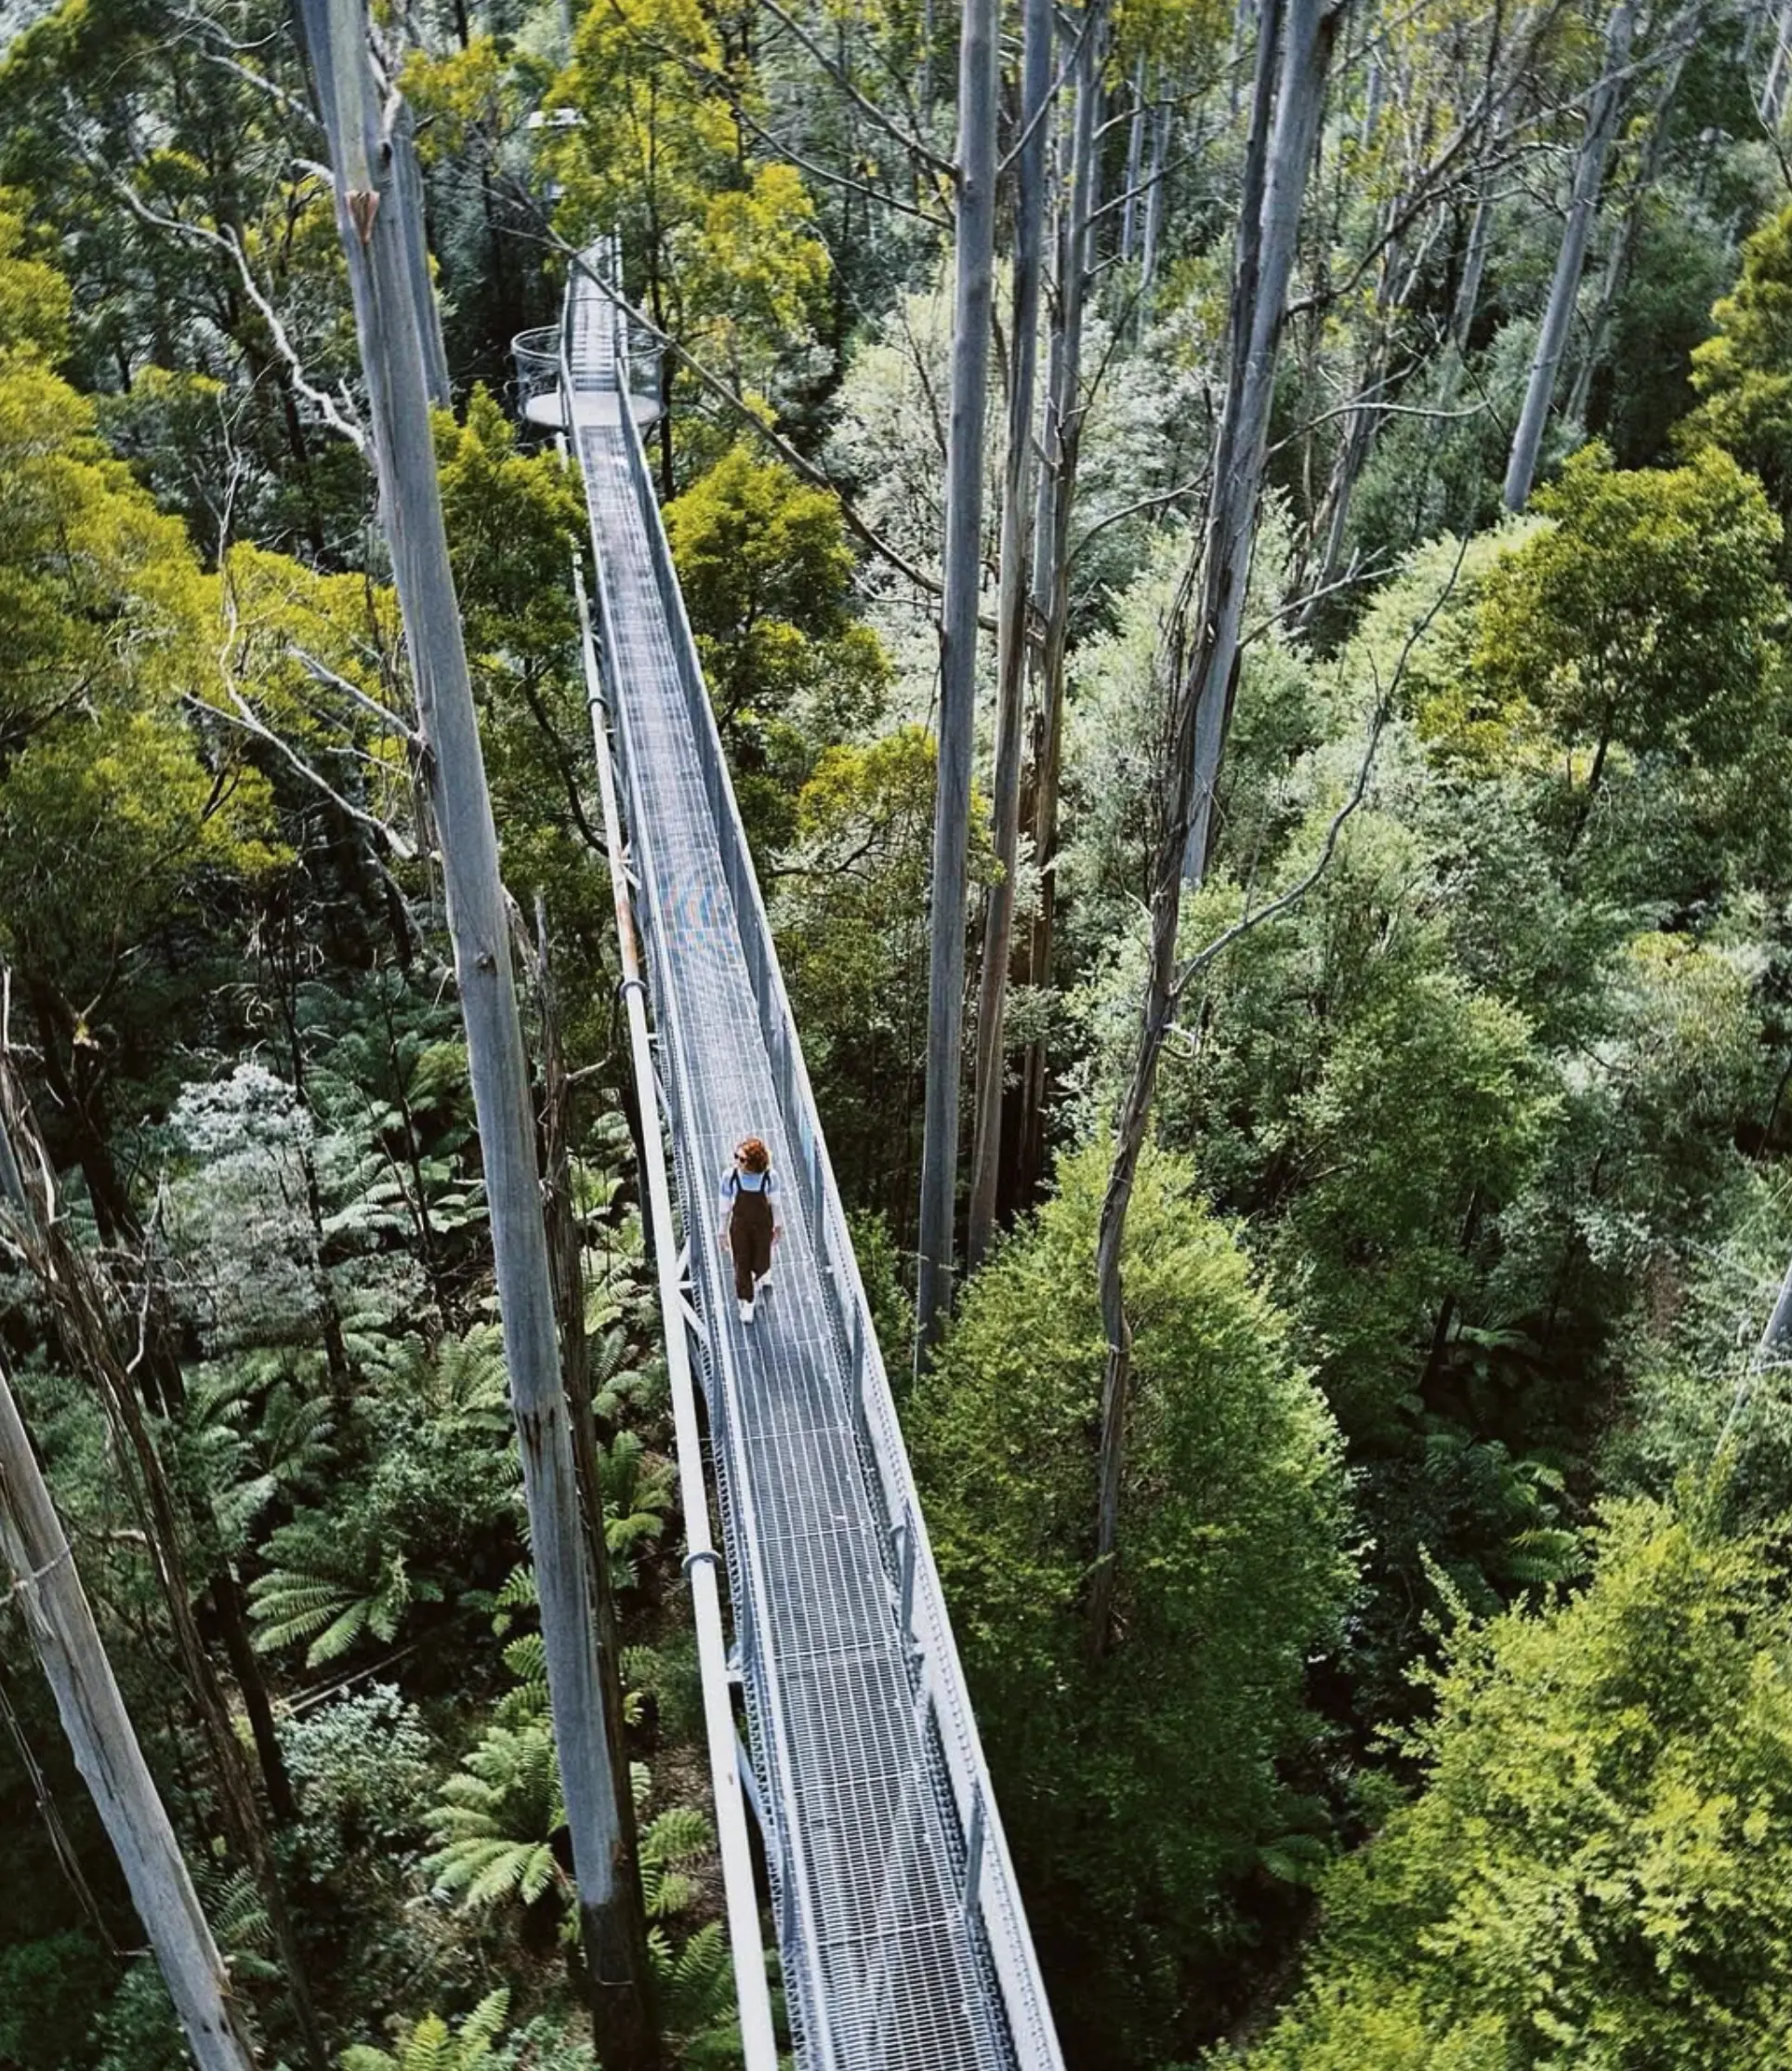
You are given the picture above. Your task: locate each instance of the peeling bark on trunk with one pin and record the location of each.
(1772, 105)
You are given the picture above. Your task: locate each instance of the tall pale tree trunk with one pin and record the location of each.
(1160, 141)
(1294, 49)
(1571, 258)
(1474, 267)
(610, 1917)
(1624, 245)
(407, 180)
(964, 523)
(566, 1260)
(1304, 29)
(1062, 451)
(1772, 105)
(1135, 166)
(1012, 627)
(1376, 374)
(60, 1621)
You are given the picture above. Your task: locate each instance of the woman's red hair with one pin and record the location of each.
(754, 1154)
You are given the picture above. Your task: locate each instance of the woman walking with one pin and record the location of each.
(750, 1224)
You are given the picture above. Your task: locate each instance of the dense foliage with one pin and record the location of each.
(1142, 1791)
(1439, 1720)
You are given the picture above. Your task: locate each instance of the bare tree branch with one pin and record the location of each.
(325, 674)
(1155, 501)
(1377, 721)
(201, 234)
(243, 716)
(916, 149)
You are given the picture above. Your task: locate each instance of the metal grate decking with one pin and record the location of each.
(903, 1941)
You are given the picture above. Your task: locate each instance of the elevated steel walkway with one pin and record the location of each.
(903, 1939)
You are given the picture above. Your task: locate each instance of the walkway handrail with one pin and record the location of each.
(990, 1893)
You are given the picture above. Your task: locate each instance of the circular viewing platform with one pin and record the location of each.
(540, 401)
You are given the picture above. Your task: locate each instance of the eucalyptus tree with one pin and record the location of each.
(1397, 186)
(1292, 54)
(973, 298)
(1673, 58)
(1603, 109)
(1072, 255)
(1029, 155)
(611, 1916)
(47, 1586)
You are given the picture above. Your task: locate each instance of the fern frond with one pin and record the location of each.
(696, 1984)
(430, 2048)
(482, 2028)
(679, 1837)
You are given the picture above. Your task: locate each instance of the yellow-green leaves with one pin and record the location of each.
(1743, 373)
(719, 241)
(1643, 617)
(34, 297)
(431, 2045)
(108, 624)
(765, 568)
(756, 271)
(1598, 1873)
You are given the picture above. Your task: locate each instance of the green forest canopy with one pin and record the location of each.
(1440, 1722)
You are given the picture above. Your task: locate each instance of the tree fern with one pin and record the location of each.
(248, 1432)
(456, 1379)
(696, 1981)
(516, 1592)
(526, 1657)
(333, 1587)
(638, 1492)
(233, 1904)
(679, 1837)
(618, 1384)
(498, 1820)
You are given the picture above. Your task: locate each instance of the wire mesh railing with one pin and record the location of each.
(596, 346)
